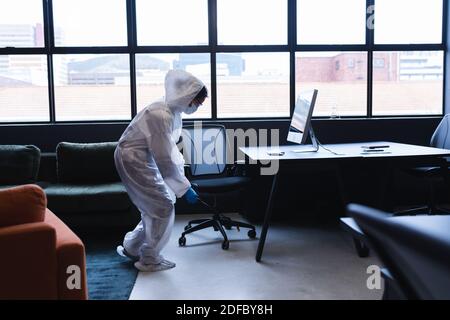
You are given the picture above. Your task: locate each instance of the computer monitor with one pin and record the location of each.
(301, 122)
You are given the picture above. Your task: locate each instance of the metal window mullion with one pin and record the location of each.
(252, 48)
(133, 84)
(370, 43)
(408, 47)
(292, 43)
(370, 83)
(445, 33)
(49, 37)
(212, 24)
(132, 42)
(330, 47)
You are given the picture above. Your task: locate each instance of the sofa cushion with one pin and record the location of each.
(86, 163)
(21, 205)
(71, 198)
(18, 164)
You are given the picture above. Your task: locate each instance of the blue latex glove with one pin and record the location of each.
(191, 196)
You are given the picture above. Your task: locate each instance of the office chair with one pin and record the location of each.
(417, 260)
(433, 175)
(209, 174)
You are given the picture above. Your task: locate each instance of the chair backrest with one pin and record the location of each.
(205, 149)
(417, 257)
(441, 136)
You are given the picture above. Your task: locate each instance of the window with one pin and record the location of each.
(23, 88)
(85, 23)
(92, 87)
(252, 22)
(410, 83)
(172, 22)
(408, 21)
(252, 85)
(151, 70)
(107, 59)
(21, 28)
(341, 90)
(331, 22)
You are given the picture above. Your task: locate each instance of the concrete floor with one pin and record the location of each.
(298, 263)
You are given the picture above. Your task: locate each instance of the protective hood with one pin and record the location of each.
(181, 88)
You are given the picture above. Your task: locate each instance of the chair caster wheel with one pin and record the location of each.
(251, 234)
(186, 228)
(227, 227)
(182, 241)
(225, 245)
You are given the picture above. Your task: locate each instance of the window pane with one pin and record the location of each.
(408, 21)
(92, 87)
(23, 88)
(408, 83)
(340, 77)
(253, 85)
(331, 21)
(21, 28)
(252, 22)
(172, 22)
(87, 23)
(151, 71)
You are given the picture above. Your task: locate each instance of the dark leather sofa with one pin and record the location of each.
(82, 185)
(80, 180)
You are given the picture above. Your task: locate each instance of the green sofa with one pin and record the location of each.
(80, 180)
(86, 190)
(81, 183)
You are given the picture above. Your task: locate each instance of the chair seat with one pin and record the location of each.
(219, 185)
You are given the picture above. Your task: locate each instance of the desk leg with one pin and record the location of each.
(342, 188)
(267, 217)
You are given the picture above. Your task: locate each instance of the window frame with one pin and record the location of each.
(213, 48)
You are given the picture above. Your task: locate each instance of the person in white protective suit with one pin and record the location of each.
(152, 169)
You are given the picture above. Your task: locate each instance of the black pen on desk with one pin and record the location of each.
(374, 147)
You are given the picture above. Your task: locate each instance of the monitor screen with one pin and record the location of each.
(301, 119)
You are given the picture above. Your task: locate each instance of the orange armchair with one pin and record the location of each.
(41, 258)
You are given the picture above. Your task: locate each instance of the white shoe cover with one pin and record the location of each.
(163, 265)
(124, 253)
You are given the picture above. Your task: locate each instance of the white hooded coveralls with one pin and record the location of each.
(152, 168)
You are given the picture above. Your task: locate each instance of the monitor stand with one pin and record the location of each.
(314, 147)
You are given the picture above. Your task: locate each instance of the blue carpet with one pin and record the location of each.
(110, 276)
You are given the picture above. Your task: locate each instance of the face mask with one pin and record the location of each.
(191, 109)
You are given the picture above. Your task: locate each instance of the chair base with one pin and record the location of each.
(219, 223)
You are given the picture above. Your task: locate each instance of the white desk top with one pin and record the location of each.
(343, 151)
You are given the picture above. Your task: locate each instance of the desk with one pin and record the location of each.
(408, 155)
